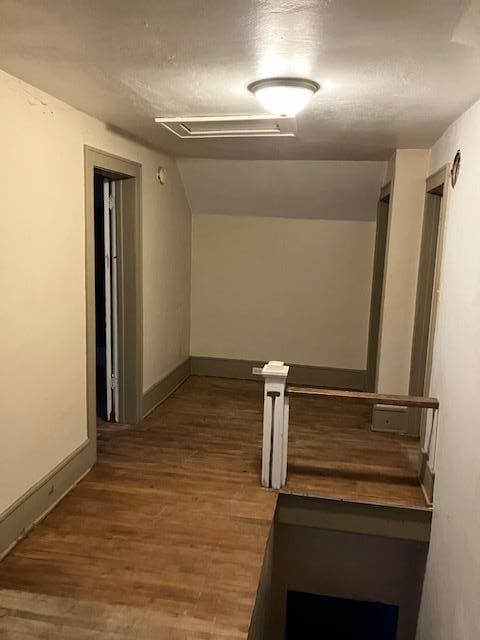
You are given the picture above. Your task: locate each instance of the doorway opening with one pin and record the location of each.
(377, 289)
(428, 285)
(106, 298)
(313, 616)
(113, 289)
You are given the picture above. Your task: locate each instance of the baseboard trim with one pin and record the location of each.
(426, 476)
(38, 501)
(301, 374)
(389, 419)
(160, 391)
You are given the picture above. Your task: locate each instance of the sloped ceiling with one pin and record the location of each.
(328, 190)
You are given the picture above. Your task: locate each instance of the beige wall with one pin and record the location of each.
(279, 288)
(408, 171)
(42, 277)
(166, 270)
(452, 585)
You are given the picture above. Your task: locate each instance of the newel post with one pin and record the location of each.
(273, 454)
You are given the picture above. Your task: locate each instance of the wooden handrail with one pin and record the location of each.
(371, 398)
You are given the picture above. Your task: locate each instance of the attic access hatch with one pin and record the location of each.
(230, 126)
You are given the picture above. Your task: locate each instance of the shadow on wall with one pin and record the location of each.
(356, 573)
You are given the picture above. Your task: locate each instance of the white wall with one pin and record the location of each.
(42, 277)
(450, 605)
(280, 288)
(408, 169)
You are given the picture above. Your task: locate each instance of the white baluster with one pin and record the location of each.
(275, 375)
(267, 438)
(286, 414)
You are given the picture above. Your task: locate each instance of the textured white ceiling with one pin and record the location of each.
(322, 189)
(394, 73)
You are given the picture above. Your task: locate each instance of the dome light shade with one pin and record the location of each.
(284, 96)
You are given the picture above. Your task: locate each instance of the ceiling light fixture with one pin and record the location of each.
(284, 96)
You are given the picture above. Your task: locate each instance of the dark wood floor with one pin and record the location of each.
(165, 537)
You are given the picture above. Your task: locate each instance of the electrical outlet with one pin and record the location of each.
(257, 371)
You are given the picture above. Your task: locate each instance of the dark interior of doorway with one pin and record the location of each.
(312, 616)
(100, 332)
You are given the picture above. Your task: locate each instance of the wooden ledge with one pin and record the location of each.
(419, 402)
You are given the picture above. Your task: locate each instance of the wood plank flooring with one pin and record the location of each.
(165, 537)
(333, 452)
(171, 520)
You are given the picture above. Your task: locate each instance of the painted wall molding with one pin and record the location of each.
(160, 391)
(299, 373)
(38, 501)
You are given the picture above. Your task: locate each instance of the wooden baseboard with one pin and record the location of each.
(160, 391)
(426, 476)
(34, 505)
(300, 374)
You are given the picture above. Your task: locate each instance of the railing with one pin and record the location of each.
(277, 409)
(419, 402)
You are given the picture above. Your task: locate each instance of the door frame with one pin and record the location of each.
(128, 177)
(378, 279)
(425, 319)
